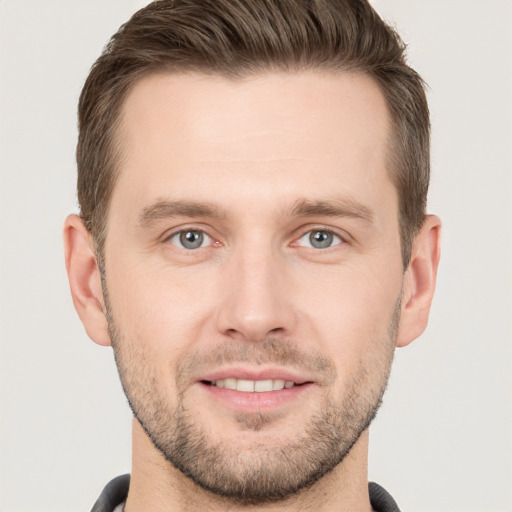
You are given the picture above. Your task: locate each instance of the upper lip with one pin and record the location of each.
(245, 373)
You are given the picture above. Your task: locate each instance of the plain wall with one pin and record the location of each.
(443, 439)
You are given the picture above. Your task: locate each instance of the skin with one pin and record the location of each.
(273, 156)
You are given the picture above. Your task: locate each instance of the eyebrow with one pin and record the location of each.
(342, 207)
(168, 209)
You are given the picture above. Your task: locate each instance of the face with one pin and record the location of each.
(253, 273)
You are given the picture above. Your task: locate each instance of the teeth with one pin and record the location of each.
(230, 383)
(251, 386)
(263, 385)
(277, 385)
(245, 385)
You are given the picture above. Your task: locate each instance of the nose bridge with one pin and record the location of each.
(254, 301)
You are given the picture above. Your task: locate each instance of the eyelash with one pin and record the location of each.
(296, 243)
(201, 232)
(329, 232)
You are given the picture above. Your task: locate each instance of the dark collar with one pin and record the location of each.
(116, 492)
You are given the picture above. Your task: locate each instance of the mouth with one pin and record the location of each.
(252, 391)
(253, 386)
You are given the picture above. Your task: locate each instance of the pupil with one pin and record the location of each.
(191, 239)
(321, 239)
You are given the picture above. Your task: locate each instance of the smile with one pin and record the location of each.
(253, 386)
(249, 391)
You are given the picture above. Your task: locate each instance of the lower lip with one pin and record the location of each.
(256, 402)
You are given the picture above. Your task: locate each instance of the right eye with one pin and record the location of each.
(190, 239)
(320, 239)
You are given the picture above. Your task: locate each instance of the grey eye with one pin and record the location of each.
(319, 239)
(190, 239)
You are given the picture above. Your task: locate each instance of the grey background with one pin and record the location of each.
(442, 441)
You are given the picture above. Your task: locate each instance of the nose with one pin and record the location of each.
(255, 297)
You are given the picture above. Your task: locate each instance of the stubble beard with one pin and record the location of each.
(258, 473)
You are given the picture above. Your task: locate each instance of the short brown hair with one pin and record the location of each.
(237, 38)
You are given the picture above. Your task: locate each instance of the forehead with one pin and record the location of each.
(278, 131)
(211, 108)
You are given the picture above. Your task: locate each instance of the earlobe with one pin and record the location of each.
(84, 279)
(420, 281)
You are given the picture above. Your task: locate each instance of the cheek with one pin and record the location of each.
(352, 310)
(151, 310)
(166, 311)
(354, 322)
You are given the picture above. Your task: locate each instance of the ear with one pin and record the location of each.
(84, 279)
(420, 281)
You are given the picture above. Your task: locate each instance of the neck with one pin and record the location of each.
(157, 486)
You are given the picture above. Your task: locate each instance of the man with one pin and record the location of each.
(253, 243)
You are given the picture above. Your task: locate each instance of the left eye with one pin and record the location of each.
(190, 239)
(319, 239)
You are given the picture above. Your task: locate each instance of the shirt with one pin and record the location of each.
(115, 493)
